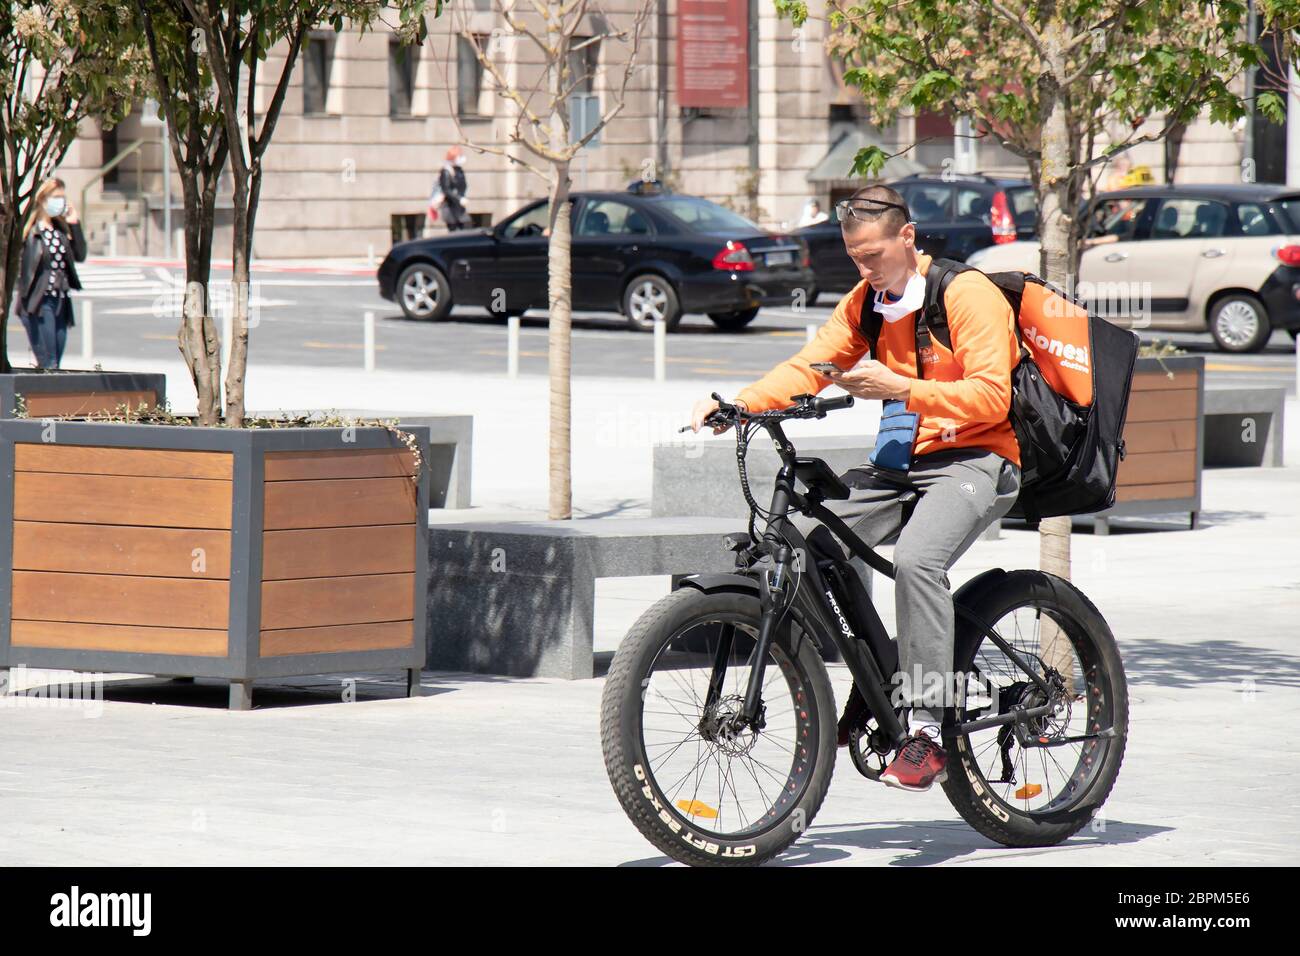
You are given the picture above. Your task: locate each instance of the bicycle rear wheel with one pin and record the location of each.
(1042, 793)
(700, 792)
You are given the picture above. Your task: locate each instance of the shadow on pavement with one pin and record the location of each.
(929, 842)
(320, 690)
(1167, 663)
(622, 507)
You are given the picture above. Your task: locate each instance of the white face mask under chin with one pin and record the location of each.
(910, 301)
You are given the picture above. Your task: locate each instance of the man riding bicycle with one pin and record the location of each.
(959, 450)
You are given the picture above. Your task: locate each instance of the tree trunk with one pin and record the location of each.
(560, 295)
(10, 255)
(1173, 149)
(197, 337)
(238, 362)
(1057, 265)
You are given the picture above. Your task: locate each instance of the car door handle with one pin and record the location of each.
(1117, 257)
(626, 250)
(1213, 253)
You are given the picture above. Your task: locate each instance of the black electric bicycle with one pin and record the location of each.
(718, 722)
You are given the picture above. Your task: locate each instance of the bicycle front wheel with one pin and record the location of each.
(698, 789)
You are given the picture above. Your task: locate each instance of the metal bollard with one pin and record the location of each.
(811, 332)
(512, 346)
(370, 341)
(661, 349)
(87, 322)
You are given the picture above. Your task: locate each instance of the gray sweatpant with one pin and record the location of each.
(964, 491)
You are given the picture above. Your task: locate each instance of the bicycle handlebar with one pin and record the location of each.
(805, 406)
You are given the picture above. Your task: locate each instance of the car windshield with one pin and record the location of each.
(704, 216)
(534, 222)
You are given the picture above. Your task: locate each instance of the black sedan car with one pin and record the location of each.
(648, 253)
(954, 217)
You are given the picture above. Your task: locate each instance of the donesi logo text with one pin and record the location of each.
(1069, 356)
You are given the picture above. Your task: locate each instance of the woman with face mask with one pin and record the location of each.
(52, 245)
(451, 183)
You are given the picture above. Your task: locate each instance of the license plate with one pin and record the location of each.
(780, 258)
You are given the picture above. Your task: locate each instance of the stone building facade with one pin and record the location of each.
(365, 128)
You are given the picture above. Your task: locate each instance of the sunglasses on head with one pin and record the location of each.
(867, 210)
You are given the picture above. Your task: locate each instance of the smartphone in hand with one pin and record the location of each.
(826, 368)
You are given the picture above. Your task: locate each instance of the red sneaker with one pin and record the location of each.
(920, 763)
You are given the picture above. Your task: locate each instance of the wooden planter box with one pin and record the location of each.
(79, 393)
(211, 552)
(1163, 438)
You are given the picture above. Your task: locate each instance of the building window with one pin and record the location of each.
(469, 75)
(406, 226)
(317, 58)
(580, 75)
(841, 113)
(403, 61)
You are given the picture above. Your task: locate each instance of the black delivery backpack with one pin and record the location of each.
(1069, 391)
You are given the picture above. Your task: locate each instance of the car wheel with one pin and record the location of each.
(649, 297)
(730, 321)
(1239, 323)
(423, 292)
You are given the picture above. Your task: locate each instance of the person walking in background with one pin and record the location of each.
(452, 185)
(812, 214)
(52, 245)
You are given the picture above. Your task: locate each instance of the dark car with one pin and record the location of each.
(954, 217)
(647, 253)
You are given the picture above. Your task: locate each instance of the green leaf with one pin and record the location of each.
(1272, 106)
(868, 162)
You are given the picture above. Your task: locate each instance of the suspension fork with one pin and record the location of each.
(774, 600)
(726, 641)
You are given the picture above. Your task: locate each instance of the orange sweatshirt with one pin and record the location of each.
(964, 398)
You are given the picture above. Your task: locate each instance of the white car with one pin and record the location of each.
(1222, 258)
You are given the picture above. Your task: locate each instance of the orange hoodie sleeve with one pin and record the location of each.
(839, 341)
(979, 320)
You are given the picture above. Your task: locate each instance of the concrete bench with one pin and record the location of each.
(1243, 426)
(451, 449)
(518, 597)
(700, 478)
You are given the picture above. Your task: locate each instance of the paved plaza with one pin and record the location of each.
(483, 770)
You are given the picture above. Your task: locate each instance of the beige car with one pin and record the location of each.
(1223, 259)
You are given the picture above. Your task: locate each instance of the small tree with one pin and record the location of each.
(239, 34)
(205, 58)
(542, 142)
(1048, 79)
(196, 135)
(60, 64)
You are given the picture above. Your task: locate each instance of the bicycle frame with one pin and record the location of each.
(782, 540)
